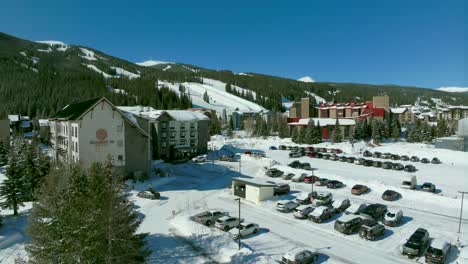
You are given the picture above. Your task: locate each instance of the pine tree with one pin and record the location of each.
(206, 98)
(376, 136)
(3, 154)
(396, 132)
(310, 136)
(12, 188)
(230, 132)
(301, 138)
(283, 129)
(294, 134)
(319, 132)
(337, 136)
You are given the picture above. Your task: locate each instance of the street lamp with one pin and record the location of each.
(238, 225)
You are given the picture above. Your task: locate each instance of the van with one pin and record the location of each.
(348, 224)
(410, 182)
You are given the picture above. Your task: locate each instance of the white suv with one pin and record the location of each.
(286, 206)
(227, 222)
(323, 198)
(299, 256)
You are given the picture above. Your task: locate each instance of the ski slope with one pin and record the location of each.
(219, 98)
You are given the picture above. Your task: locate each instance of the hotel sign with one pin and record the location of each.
(101, 136)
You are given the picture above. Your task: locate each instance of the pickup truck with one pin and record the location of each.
(209, 217)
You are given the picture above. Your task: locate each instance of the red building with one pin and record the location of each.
(375, 108)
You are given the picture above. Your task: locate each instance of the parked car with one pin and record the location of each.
(435, 161)
(359, 189)
(370, 229)
(374, 211)
(334, 184)
(319, 155)
(248, 152)
(355, 209)
(286, 206)
(377, 154)
(410, 168)
(350, 159)
(274, 173)
(149, 195)
(414, 159)
(310, 148)
(299, 178)
(425, 160)
(209, 217)
(295, 164)
(326, 156)
(227, 222)
(287, 176)
(438, 250)
(322, 182)
(320, 214)
(323, 198)
(377, 164)
(428, 187)
(282, 147)
(295, 154)
(281, 188)
(410, 182)
(305, 166)
(225, 158)
(387, 165)
(334, 157)
(395, 157)
(367, 153)
(393, 217)
(311, 154)
(390, 195)
(405, 158)
(386, 155)
(299, 256)
(339, 205)
(273, 148)
(343, 159)
(367, 163)
(303, 211)
(398, 166)
(244, 229)
(200, 158)
(348, 224)
(416, 243)
(306, 198)
(360, 161)
(311, 179)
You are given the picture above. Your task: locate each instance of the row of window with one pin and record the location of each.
(182, 125)
(181, 142)
(172, 134)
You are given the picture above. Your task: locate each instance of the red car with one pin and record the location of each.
(309, 148)
(311, 179)
(359, 189)
(311, 154)
(338, 151)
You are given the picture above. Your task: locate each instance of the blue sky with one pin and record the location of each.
(407, 42)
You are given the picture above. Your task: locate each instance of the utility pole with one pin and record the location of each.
(313, 179)
(238, 225)
(461, 210)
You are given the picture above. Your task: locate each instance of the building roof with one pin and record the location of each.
(13, 118)
(75, 110)
(398, 110)
(254, 182)
(43, 122)
(324, 122)
(178, 115)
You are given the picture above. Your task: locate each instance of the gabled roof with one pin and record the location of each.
(75, 110)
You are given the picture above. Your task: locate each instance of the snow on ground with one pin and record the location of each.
(96, 69)
(168, 67)
(454, 89)
(245, 74)
(55, 43)
(87, 54)
(306, 79)
(219, 98)
(45, 50)
(318, 99)
(152, 63)
(121, 71)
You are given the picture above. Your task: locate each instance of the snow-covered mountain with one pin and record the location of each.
(150, 63)
(306, 79)
(454, 89)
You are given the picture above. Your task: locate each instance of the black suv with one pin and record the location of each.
(410, 168)
(295, 164)
(274, 173)
(348, 224)
(367, 153)
(281, 188)
(417, 243)
(374, 211)
(370, 229)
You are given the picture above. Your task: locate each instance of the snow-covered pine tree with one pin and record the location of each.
(3, 154)
(12, 189)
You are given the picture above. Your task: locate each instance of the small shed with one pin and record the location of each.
(254, 190)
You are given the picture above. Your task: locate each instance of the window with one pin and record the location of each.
(163, 135)
(192, 134)
(173, 134)
(183, 142)
(182, 134)
(172, 142)
(192, 143)
(182, 125)
(163, 144)
(164, 125)
(192, 125)
(76, 146)
(120, 157)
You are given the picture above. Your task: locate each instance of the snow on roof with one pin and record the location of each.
(454, 89)
(150, 112)
(347, 218)
(398, 110)
(319, 210)
(152, 63)
(62, 46)
(324, 122)
(439, 243)
(254, 181)
(43, 122)
(13, 118)
(184, 115)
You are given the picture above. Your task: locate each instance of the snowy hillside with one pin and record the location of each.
(152, 63)
(219, 98)
(454, 89)
(306, 79)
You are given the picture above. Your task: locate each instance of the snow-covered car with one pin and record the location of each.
(334, 184)
(225, 158)
(209, 217)
(410, 182)
(201, 158)
(359, 189)
(405, 158)
(340, 205)
(305, 198)
(299, 178)
(287, 176)
(395, 157)
(323, 198)
(376, 154)
(398, 166)
(295, 164)
(149, 195)
(414, 159)
(374, 211)
(286, 206)
(438, 250)
(300, 256)
(428, 187)
(274, 173)
(390, 195)
(348, 224)
(320, 214)
(367, 153)
(322, 182)
(245, 230)
(355, 208)
(410, 168)
(360, 161)
(350, 159)
(377, 164)
(303, 211)
(371, 229)
(387, 165)
(425, 160)
(227, 222)
(386, 155)
(393, 217)
(435, 161)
